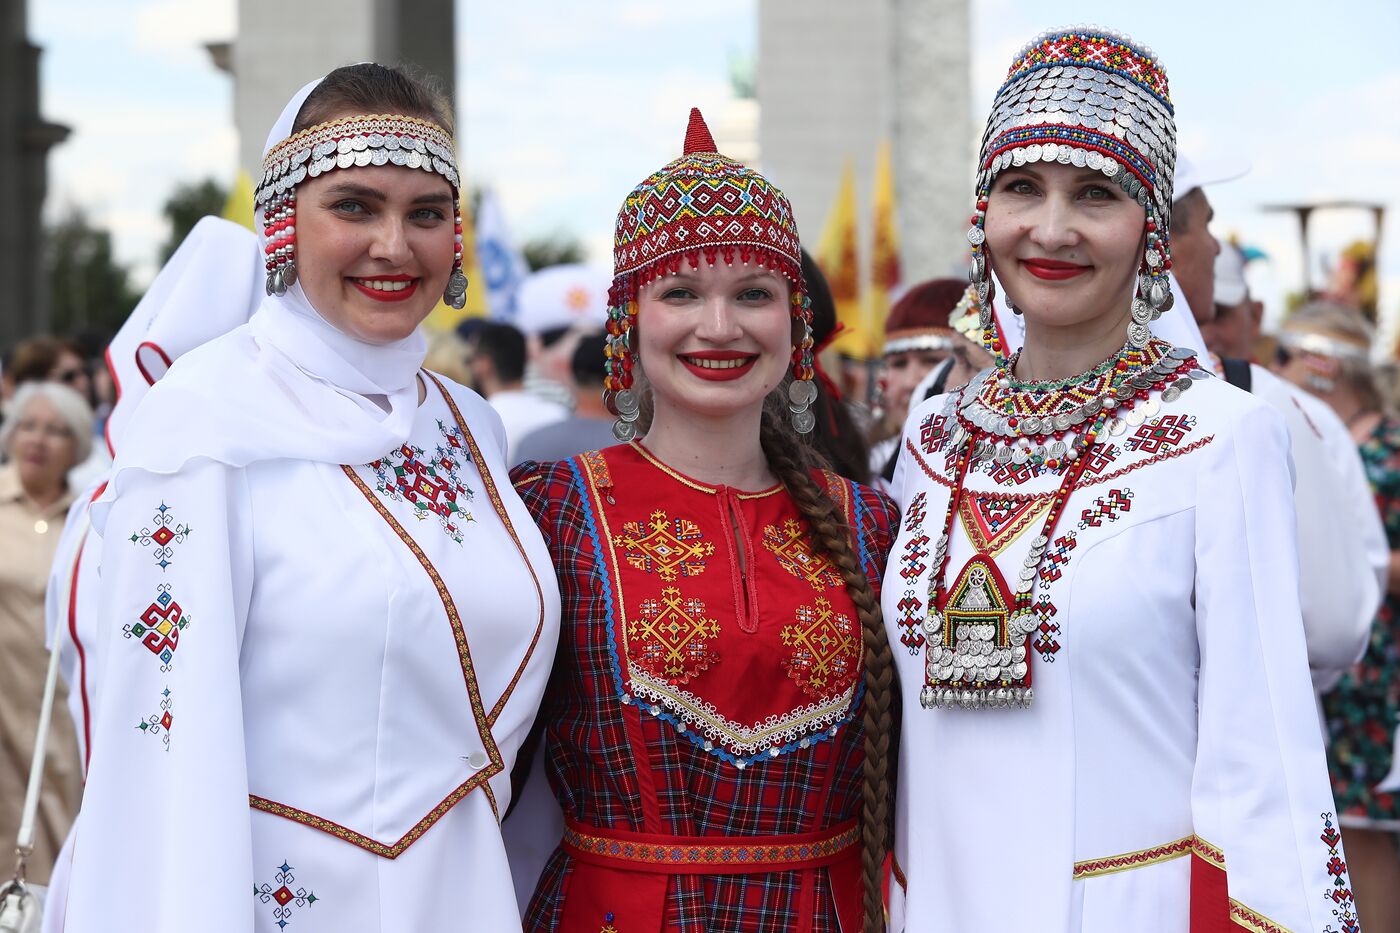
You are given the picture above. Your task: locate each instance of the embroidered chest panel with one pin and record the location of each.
(433, 482)
(723, 618)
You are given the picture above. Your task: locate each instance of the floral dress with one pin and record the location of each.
(1363, 711)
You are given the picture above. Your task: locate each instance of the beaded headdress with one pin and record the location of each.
(376, 139)
(707, 207)
(1090, 98)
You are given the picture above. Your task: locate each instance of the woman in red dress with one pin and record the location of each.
(718, 726)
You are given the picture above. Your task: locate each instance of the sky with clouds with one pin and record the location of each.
(565, 105)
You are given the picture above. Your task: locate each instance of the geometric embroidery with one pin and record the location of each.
(993, 521)
(1162, 433)
(669, 637)
(1107, 507)
(790, 546)
(160, 626)
(286, 899)
(664, 547)
(1343, 903)
(825, 650)
(1005, 474)
(160, 723)
(1100, 457)
(1043, 635)
(1056, 556)
(932, 433)
(167, 532)
(911, 568)
(432, 487)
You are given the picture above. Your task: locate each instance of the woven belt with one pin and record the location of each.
(709, 855)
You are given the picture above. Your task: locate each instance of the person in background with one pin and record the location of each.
(447, 356)
(1325, 349)
(590, 426)
(555, 308)
(836, 434)
(47, 431)
(497, 365)
(53, 359)
(1342, 564)
(966, 358)
(1234, 329)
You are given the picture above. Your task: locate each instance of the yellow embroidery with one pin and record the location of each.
(789, 544)
(670, 636)
(825, 649)
(669, 548)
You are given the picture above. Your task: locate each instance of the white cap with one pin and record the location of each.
(1230, 286)
(1193, 174)
(569, 295)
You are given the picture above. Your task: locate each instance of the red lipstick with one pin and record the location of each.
(1053, 270)
(386, 294)
(718, 365)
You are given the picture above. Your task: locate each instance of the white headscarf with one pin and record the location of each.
(287, 384)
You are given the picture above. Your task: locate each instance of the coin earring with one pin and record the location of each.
(618, 394)
(280, 232)
(455, 294)
(980, 278)
(1154, 292)
(802, 391)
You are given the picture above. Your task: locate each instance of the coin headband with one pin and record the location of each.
(375, 139)
(1087, 98)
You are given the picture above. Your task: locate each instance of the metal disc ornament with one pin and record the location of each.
(804, 421)
(624, 430)
(627, 402)
(802, 392)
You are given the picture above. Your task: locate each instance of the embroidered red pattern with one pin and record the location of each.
(667, 547)
(1162, 433)
(1342, 902)
(1107, 508)
(670, 637)
(789, 544)
(826, 648)
(159, 627)
(911, 567)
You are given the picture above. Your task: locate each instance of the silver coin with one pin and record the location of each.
(1060, 422)
(804, 421)
(1030, 425)
(624, 430)
(1134, 418)
(363, 157)
(1141, 311)
(1019, 457)
(345, 159)
(359, 144)
(1183, 383)
(1018, 670)
(1138, 334)
(415, 159)
(1149, 408)
(1181, 353)
(976, 236)
(343, 146)
(627, 402)
(1123, 393)
(802, 392)
(1057, 450)
(933, 623)
(1117, 426)
(1003, 455)
(1171, 394)
(1198, 373)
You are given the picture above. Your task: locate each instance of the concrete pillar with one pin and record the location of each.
(282, 44)
(25, 140)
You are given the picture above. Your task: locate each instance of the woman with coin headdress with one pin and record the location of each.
(1094, 587)
(327, 619)
(719, 722)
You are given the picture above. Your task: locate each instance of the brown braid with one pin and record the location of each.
(792, 460)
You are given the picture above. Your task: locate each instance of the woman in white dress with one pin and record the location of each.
(327, 618)
(1098, 515)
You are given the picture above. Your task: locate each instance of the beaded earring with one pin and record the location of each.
(1154, 293)
(980, 279)
(279, 229)
(455, 294)
(802, 391)
(618, 395)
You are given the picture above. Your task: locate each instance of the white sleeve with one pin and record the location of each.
(1260, 793)
(163, 842)
(1338, 583)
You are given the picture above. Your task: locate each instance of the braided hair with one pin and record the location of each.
(793, 461)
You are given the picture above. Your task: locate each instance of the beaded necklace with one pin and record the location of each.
(975, 655)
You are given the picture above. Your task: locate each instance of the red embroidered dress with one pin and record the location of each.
(708, 684)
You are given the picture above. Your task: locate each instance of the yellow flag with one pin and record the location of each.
(836, 254)
(446, 317)
(238, 208)
(884, 250)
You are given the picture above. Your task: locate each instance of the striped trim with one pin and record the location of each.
(1187, 845)
(1254, 922)
(720, 856)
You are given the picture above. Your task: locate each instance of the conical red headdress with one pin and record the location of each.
(697, 135)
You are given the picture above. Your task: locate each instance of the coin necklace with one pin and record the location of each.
(975, 655)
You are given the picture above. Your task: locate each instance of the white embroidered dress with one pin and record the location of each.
(317, 735)
(1168, 776)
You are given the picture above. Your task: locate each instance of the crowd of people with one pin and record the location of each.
(636, 613)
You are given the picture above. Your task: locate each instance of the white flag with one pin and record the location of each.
(502, 265)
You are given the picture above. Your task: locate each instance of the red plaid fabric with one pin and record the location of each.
(592, 764)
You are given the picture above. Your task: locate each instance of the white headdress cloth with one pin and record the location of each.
(287, 384)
